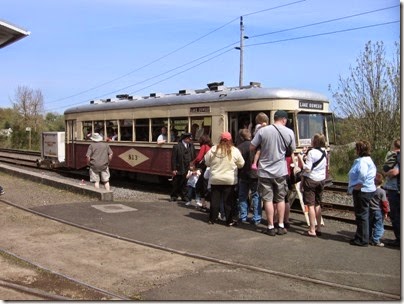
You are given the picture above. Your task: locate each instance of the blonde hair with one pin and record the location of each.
(261, 118)
(224, 146)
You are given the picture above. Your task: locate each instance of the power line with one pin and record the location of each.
(323, 34)
(166, 55)
(171, 70)
(270, 42)
(272, 8)
(322, 22)
(162, 80)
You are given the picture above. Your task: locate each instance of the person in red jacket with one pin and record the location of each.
(202, 184)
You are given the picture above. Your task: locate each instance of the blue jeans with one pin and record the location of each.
(191, 193)
(244, 186)
(376, 226)
(361, 202)
(393, 197)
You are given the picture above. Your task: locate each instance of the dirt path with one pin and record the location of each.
(120, 267)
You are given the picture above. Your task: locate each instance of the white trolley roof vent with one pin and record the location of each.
(156, 95)
(186, 92)
(216, 86)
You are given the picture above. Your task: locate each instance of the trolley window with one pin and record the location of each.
(308, 125)
(142, 130)
(200, 126)
(87, 127)
(112, 129)
(178, 126)
(157, 124)
(99, 128)
(126, 129)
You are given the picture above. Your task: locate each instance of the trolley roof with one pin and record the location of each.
(216, 93)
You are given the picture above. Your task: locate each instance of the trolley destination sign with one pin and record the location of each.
(199, 110)
(315, 105)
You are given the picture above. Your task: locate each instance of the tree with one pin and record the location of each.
(29, 105)
(369, 99)
(54, 122)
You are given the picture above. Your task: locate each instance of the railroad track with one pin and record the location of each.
(340, 187)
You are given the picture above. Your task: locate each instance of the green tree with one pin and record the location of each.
(369, 99)
(54, 122)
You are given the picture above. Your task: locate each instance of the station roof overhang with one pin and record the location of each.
(10, 33)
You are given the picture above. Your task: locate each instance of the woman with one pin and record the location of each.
(224, 161)
(362, 186)
(314, 172)
(199, 161)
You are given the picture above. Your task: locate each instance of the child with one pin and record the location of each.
(261, 121)
(192, 177)
(379, 207)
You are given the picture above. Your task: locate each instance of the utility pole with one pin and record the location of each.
(241, 48)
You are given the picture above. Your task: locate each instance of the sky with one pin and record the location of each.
(81, 50)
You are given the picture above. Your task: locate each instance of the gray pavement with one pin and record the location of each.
(329, 260)
(287, 267)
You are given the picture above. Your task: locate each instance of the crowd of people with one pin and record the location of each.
(255, 175)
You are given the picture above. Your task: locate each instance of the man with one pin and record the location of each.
(98, 155)
(182, 155)
(272, 169)
(391, 169)
(162, 139)
(248, 181)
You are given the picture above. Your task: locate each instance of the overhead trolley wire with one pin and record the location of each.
(249, 45)
(146, 65)
(321, 22)
(322, 34)
(166, 55)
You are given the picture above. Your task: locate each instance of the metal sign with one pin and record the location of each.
(313, 105)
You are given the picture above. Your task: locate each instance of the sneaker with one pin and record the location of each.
(2, 192)
(198, 204)
(270, 232)
(221, 217)
(281, 231)
(233, 223)
(379, 244)
(187, 203)
(254, 167)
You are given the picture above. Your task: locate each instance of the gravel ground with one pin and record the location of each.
(57, 246)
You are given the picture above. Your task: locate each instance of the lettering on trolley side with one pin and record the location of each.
(315, 105)
(199, 110)
(133, 157)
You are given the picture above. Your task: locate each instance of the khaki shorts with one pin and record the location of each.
(95, 177)
(273, 189)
